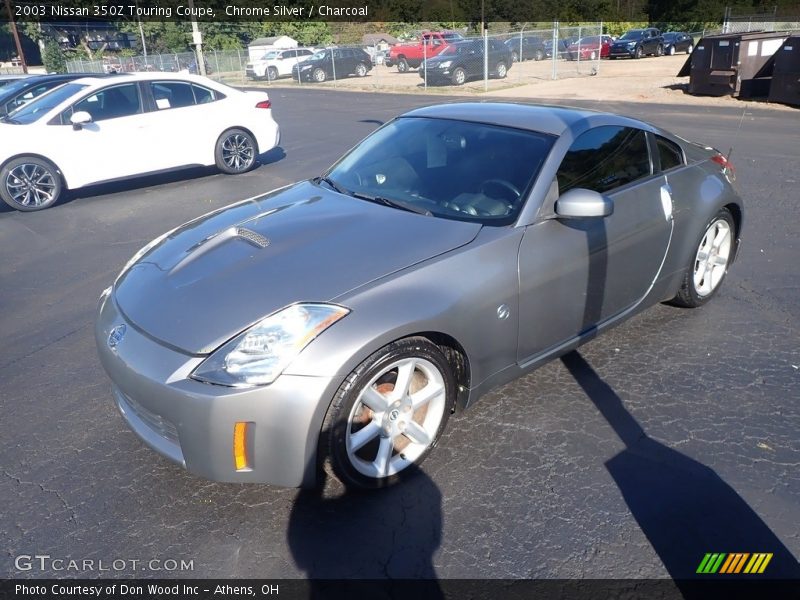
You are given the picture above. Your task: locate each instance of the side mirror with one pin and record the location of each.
(579, 203)
(79, 119)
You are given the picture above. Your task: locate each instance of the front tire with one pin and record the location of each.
(235, 152)
(459, 76)
(659, 50)
(709, 266)
(387, 415)
(689, 49)
(272, 74)
(319, 75)
(671, 51)
(638, 52)
(402, 65)
(30, 183)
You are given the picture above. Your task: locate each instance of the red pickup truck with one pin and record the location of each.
(407, 56)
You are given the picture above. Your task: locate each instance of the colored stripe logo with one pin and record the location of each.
(734, 563)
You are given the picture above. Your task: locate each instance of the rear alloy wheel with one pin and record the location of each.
(387, 415)
(459, 76)
(501, 70)
(235, 152)
(538, 56)
(710, 265)
(402, 65)
(272, 73)
(361, 70)
(514, 57)
(319, 75)
(29, 183)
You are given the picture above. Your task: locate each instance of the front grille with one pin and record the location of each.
(155, 422)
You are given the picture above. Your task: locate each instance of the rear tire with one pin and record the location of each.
(689, 49)
(709, 265)
(235, 152)
(501, 70)
(29, 183)
(387, 415)
(538, 56)
(361, 70)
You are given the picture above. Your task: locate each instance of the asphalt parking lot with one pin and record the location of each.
(673, 435)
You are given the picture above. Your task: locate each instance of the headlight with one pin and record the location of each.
(446, 64)
(631, 44)
(305, 67)
(259, 355)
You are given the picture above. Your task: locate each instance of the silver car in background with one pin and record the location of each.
(333, 325)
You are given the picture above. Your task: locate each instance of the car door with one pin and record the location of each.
(114, 145)
(576, 274)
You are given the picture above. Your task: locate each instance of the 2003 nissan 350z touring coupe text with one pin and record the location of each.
(333, 325)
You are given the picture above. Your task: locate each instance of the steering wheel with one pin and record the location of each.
(503, 187)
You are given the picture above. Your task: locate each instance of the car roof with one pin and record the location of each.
(552, 120)
(102, 78)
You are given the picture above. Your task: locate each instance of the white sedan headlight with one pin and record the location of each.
(259, 355)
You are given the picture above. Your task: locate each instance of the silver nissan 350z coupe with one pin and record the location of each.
(336, 323)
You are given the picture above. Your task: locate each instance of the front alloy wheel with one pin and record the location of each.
(235, 152)
(388, 414)
(29, 184)
(710, 265)
(459, 76)
(319, 75)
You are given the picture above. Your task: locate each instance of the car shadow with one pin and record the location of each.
(364, 540)
(682, 506)
(186, 174)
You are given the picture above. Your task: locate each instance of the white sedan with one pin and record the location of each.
(94, 130)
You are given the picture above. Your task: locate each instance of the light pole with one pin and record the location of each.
(197, 40)
(15, 33)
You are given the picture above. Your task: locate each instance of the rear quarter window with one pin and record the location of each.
(669, 153)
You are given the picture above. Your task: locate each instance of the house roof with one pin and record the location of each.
(374, 38)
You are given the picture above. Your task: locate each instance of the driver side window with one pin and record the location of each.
(109, 103)
(605, 158)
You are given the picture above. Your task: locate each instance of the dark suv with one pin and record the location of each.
(464, 60)
(333, 63)
(638, 42)
(526, 47)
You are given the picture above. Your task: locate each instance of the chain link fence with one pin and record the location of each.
(501, 58)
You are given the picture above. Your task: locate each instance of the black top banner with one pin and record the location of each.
(409, 11)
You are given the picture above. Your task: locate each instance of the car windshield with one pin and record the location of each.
(37, 108)
(634, 34)
(670, 36)
(451, 169)
(14, 86)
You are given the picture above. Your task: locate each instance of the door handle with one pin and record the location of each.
(666, 201)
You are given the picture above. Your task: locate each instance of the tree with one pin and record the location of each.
(53, 58)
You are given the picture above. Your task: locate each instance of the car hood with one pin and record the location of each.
(204, 282)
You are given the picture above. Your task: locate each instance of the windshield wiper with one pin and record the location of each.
(393, 203)
(336, 187)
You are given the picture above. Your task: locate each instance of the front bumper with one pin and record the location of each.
(192, 423)
(622, 52)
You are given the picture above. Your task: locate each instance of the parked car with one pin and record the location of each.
(99, 129)
(677, 41)
(526, 47)
(562, 47)
(333, 63)
(462, 61)
(301, 330)
(9, 79)
(24, 90)
(431, 43)
(590, 48)
(637, 43)
(277, 63)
